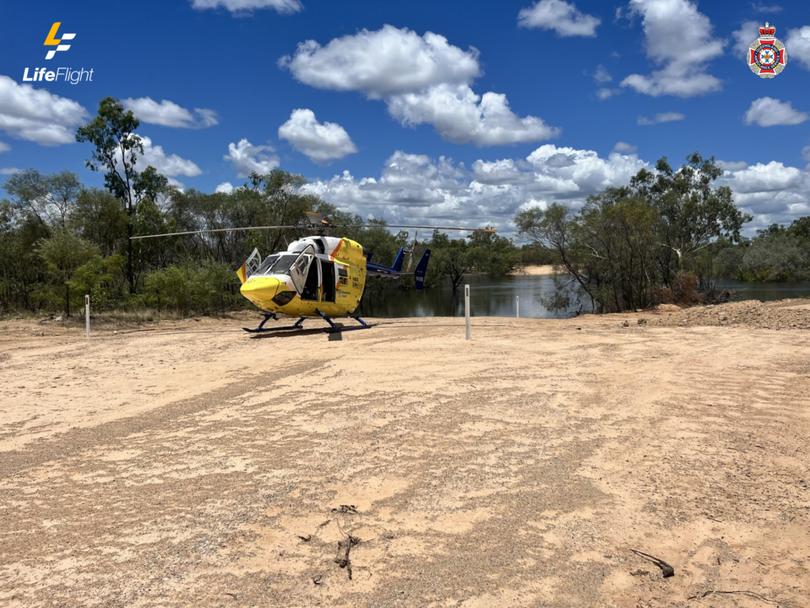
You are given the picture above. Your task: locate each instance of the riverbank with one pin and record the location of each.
(545, 270)
(186, 463)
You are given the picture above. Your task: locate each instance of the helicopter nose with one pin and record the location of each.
(260, 290)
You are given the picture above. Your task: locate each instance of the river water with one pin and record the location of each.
(497, 297)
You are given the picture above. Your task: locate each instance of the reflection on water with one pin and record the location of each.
(766, 291)
(488, 297)
(496, 298)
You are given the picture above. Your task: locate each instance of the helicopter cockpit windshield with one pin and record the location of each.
(294, 265)
(267, 264)
(278, 263)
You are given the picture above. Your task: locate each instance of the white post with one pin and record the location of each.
(468, 333)
(517, 307)
(87, 315)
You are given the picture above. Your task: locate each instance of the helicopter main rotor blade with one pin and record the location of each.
(413, 227)
(210, 230)
(488, 229)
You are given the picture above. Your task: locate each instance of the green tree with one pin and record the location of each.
(630, 246)
(63, 193)
(450, 259)
(48, 198)
(692, 212)
(21, 271)
(29, 193)
(116, 149)
(493, 254)
(63, 254)
(99, 217)
(776, 255)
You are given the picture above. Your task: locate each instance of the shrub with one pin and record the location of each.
(192, 287)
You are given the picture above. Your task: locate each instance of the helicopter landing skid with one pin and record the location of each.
(267, 316)
(337, 327)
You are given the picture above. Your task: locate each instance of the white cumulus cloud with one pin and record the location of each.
(320, 141)
(770, 112)
(622, 147)
(170, 165)
(559, 16)
(659, 118)
(383, 62)
(462, 116)
(423, 80)
(679, 41)
(771, 192)
(224, 188)
(246, 6)
(764, 177)
(742, 37)
(416, 187)
(247, 158)
(601, 74)
(38, 115)
(798, 45)
(169, 114)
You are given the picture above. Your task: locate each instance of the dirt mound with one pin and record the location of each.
(783, 314)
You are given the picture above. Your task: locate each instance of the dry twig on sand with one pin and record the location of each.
(666, 569)
(751, 594)
(343, 558)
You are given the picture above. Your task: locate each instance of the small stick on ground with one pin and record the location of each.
(666, 569)
(345, 509)
(344, 548)
(756, 596)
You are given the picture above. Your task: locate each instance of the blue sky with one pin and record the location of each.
(406, 88)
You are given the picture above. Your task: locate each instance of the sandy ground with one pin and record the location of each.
(187, 464)
(537, 271)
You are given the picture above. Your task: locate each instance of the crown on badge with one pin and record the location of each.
(767, 30)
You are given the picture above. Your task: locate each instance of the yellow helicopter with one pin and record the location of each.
(316, 276)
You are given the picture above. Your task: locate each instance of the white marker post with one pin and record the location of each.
(87, 315)
(468, 333)
(517, 307)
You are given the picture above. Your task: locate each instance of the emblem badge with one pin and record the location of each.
(767, 56)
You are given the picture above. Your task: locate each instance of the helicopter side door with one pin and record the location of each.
(328, 281)
(300, 267)
(313, 283)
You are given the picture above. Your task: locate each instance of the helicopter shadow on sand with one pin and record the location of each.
(334, 335)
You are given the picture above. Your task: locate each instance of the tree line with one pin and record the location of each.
(666, 236)
(60, 239)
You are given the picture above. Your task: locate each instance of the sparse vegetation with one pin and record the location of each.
(666, 236)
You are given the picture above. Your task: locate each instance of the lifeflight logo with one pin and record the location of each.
(57, 44)
(52, 40)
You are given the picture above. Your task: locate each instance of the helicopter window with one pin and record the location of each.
(298, 269)
(266, 264)
(282, 264)
(301, 263)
